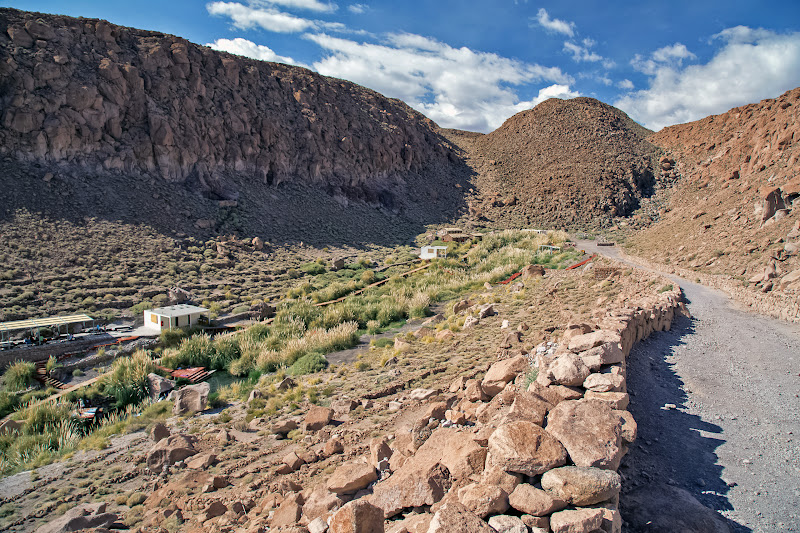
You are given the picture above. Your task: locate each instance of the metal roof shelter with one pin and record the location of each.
(173, 316)
(35, 323)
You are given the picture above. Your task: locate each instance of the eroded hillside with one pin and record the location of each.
(139, 125)
(734, 215)
(575, 163)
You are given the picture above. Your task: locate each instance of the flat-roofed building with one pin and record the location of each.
(174, 316)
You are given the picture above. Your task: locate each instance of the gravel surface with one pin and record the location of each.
(717, 401)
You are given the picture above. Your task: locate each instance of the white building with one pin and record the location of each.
(433, 252)
(174, 316)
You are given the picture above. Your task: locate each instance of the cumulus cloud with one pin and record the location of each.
(243, 47)
(750, 65)
(358, 8)
(456, 87)
(581, 53)
(246, 17)
(625, 84)
(672, 55)
(311, 5)
(555, 25)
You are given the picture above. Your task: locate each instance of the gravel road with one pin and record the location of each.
(717, 401)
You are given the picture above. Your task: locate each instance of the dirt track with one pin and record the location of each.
(732, 438)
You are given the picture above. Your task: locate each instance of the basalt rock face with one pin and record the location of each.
(571, 162)
(86, 94)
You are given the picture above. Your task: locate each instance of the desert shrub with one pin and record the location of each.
(312, 268)
(141, 307)
(19, 375)
(373, 326)
(308, 364)
(293, 273)
(171, 337)
(127, 379)
(137, 498)
(8, 403)
(77, 373)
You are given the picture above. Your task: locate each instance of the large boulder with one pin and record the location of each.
(352, 477)
(191, 399)
(158, 386)
(587, 341)
(568, 369)
(579, 521)
(502, 372)
(317, 418)
(526, 448)
(580, 485)
(529, 500)
(82, 516)
(483, 500)
(590, 431)
(169, 451)
(454, 517)
(358, 516)
(659, 507)
(411, 486)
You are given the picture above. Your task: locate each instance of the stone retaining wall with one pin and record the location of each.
(774, 304)
(508, 453)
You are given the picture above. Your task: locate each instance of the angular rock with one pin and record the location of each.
(577, 521)
(169, 451)
(590, 431)
(629, 426)
(532, 271)
(507, 524)
(351, 477)
(525, 448)
(603, 382)
(454, 517)
(615, 400)
(411, 486)
(502, 372)
(474, 391)
(293, 461)
(581, 343)
(288, 512)
(202, 462)
(608, 353)
(282, 427)
(358, 516)
(530, 500)
(568, 369)
(158, 386)
(159, 431)
(380, 452)
(483, 500)
(320, 502)
(191, 399)
(317, 418)
(82, 516)
(213, 510)
(581, 486)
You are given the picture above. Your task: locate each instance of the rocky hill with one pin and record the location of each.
(573, 163)
(138, 111)
(734, 214)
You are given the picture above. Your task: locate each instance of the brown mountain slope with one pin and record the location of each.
(138, 113)
(567, 163)
(739, 168)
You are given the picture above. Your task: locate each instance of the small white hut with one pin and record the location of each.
(174, 316)
(433, 252)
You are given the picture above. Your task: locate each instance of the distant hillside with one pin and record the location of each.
(572, 163)
(125, 123)
(735, 212)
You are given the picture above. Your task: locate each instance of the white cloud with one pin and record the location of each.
(456, 87)
(246, 48)
(625, 84)
(556, 25)
(270, 19)
(672, 55)
(581, 53)
(311, 5)
(750, 65)
(358, 8)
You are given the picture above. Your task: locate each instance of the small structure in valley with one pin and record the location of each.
(175, 316)
(433, 252)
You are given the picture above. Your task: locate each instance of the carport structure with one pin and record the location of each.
(36, 324)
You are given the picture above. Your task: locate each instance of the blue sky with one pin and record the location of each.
(471, 64)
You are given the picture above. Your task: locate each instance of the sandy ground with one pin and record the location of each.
(717, 401)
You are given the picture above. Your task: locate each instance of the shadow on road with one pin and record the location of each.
(672, 447)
